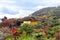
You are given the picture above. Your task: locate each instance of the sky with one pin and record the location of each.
(22, 8)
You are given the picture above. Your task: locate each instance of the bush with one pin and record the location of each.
(27, 28)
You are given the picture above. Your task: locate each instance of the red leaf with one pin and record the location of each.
(44, 31)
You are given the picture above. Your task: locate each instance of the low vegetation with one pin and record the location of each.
(48, 29)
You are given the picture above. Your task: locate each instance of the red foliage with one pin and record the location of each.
(47, 26)
(44, 31)
(13, 30)
(16, 34)
(7, 22)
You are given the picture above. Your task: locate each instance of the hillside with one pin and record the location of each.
(46, 11)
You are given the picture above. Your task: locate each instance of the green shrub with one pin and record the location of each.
(26, 28)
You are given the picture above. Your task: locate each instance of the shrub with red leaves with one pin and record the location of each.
(47, 26)
(16, 34)
(44, 31)
(7, 22)
(13, 30)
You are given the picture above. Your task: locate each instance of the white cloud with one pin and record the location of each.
(53, 1)
(12, 7)
(7, 1)
(8, 15)
(40, 1)
(6, 4)
(20, 10)
(40, 7)
(43, 2)
(10, 4)
(22, 13)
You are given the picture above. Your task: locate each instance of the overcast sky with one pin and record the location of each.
(21, 8)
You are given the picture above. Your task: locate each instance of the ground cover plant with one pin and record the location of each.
(48, 29)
